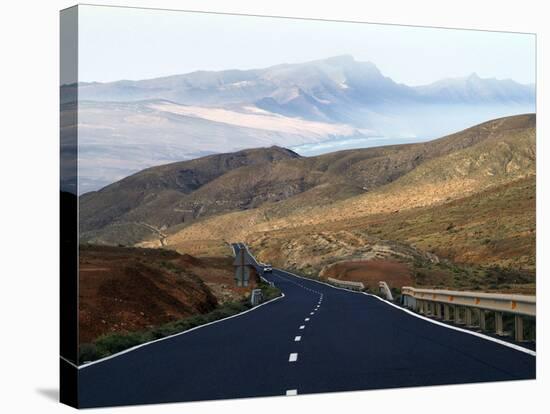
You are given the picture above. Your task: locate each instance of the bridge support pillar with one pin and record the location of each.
(499, 325)
(518, 328)
(241, 270)
(482, 322)
(446, 313)
(468, 316)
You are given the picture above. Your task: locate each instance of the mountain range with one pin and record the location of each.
(125, 126)
(313, 90)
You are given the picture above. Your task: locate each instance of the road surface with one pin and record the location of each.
(314, 339)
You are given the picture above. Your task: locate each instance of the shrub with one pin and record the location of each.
(89, 352)
(113, 343)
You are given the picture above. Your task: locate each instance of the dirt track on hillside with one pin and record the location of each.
(370, 272)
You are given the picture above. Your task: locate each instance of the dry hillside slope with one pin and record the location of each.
(504, 155)
(474, 205)
(274, 182)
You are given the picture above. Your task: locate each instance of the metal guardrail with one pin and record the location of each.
(516, 304)
(439, 303)
(347, 284)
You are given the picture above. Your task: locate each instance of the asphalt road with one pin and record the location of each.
(314, 339)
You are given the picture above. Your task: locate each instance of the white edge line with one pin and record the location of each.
(68, 362)
(455, 328)
(177, 334)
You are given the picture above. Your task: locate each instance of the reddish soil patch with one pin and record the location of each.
(128, 289)
(370, 272)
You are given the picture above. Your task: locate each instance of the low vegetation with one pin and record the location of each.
(447, 275)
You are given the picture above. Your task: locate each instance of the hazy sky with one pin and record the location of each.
(124, 43)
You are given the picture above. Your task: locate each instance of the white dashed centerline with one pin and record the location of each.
(293, 357)
(306, 319)
(302, 326)
(291, 392)
(297, 339)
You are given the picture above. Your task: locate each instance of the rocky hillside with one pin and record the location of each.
(402, 177)
(491, 232)
(276, 182)
(143, 203)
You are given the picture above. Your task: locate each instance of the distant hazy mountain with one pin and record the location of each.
(125, 126)
(475, 90)
(312, 89)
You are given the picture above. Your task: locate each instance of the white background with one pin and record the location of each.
(29, 207)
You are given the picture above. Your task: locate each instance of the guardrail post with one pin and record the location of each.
(468, 316)
(456, 314)
(437, 310)
(256, 297)
(446, 312)
(385, 290)
(482, 322)
(499, 326)
(518, 328)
